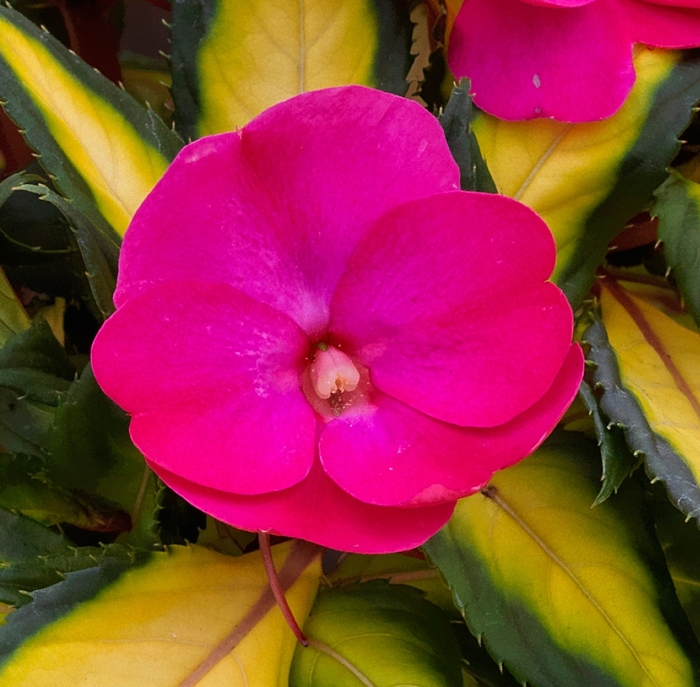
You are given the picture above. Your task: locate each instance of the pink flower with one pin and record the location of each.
(319, 336)
(566, 59)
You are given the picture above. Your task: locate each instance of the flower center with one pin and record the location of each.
(336, 385)
(332, 372)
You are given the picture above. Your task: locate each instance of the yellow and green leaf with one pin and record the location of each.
(232, 60)
(188, 616)
(648, 367)
(104, 151)
(376, 634)
(562, 593)
(587, 180)
(401, 569)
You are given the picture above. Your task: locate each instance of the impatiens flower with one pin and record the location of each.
(566, 59)
(319, 336)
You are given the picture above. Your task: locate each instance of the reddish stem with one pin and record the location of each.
(276, 588)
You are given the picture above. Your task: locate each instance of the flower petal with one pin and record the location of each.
(691, 4)
(397, 455)
(317, 510)
(662, 24)
(277, 208)
(436, 302)
(525, 61)
(212, 378)
(558, 3)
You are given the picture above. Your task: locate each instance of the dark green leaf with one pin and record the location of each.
(618, 462)
(677, 206)
(37, 349)
(456, 120)
(478, 664)
(25, 489)
(34, 377)
(24, 548)
(680, 540)
(33, 557)
(89, 449)
(100, 250)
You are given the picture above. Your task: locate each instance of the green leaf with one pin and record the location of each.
(34, 377)
(456, 121)
(395, 569)
(401, 569)
(563, 594)
(24, 548)
(100, 250)
(37, 349)
(33, 557)
(478, 665)
(223, 538)
(104, 151)
(25, 489)
(681, 544)
(376, 634)
(677, 206)
(233, 60)
(618, 462)
(89, 449)
(148, 80)
(648, 367)
(587, 180)
(51, 603)
(184, 617)
(13, 317)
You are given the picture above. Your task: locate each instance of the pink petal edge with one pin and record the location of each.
(661, 24)
(317, 510)
(526, 61)
(397, 456)
(212, 379)
(258, 198)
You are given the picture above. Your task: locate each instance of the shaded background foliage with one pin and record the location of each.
(528, 583)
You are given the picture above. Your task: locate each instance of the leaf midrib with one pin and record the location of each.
(494, 495)
(627, 303)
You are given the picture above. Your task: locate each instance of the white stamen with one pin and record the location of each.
(332, 372)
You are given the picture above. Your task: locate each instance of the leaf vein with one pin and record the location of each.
(493, 494)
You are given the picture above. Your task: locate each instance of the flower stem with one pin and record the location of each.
(276, 588)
